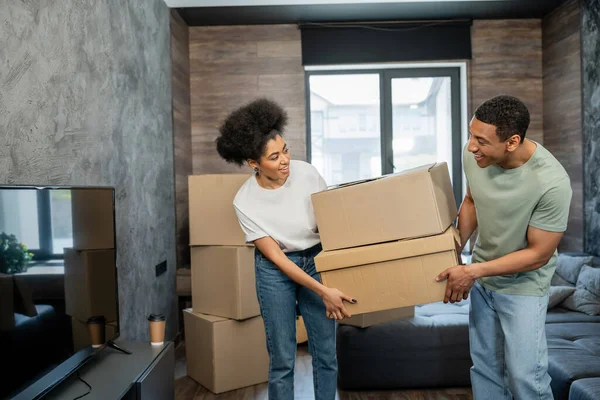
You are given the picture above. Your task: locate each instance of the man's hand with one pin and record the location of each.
(460, 281)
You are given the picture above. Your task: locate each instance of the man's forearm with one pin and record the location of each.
(467, 220)
(520, 261)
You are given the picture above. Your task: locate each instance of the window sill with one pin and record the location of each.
(49, 267)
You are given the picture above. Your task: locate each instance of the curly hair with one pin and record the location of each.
(246, 131)
(507, 113)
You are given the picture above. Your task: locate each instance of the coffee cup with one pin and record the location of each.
(96, 328)
(157, 324)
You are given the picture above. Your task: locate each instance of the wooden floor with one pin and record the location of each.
(188, 389)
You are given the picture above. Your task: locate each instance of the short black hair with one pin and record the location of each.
(508, 114)
(246, 131)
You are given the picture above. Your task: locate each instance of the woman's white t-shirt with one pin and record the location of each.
(286, 213)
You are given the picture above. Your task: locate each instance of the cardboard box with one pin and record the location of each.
(409, 204)
(391, 275)
(223, 281)
(223, 354)
(90, 284)
(183, 283)
(93, 219)
(7, 311)
(213, 221)
(378, 317)
(81, 334)
(301, 334)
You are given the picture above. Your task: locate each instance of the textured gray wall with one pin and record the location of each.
(85, 99)
(590, 49)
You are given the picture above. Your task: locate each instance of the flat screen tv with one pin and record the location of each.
(57, 270)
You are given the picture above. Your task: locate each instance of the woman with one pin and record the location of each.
(275, 211)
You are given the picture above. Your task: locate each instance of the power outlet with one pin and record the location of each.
(161, 268)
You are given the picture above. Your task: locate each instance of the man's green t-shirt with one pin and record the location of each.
(508, 201)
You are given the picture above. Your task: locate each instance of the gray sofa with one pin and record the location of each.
(431, 349)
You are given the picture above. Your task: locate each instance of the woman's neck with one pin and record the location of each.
(268, 183)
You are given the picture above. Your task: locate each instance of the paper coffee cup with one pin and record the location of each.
(157, 329)
(96, 328)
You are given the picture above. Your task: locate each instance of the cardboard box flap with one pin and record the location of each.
(443, 194)
(346, 258)
(210, 318)
(427, 167)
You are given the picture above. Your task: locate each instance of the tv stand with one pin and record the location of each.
(115, 346)
(147, 372)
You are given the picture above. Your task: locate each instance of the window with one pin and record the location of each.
(61, 220)
(41, 219)
(342, 148)
(374, 122)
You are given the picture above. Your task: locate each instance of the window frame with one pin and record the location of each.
(385, 112)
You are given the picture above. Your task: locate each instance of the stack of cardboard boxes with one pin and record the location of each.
(90, 273)
(385, 240)
(225, 338)
(224, 332)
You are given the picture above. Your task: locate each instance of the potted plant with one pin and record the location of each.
(14, 256)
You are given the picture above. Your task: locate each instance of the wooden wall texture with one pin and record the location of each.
(182, 132)
(231, 66)
(561, 42)
(507, 59)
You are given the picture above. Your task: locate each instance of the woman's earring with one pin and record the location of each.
(256, 170)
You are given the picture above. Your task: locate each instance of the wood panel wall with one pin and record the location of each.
(182, 132)
(507, 59)
(561, 42)
(233, 65)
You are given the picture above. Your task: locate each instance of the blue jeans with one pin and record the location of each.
(507, 334)
(277, 296)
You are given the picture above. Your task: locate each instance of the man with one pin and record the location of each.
(518, 197)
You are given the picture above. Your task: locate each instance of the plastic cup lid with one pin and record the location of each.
(156, 317)
(96, 319)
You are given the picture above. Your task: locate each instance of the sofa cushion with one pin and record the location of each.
(557, 294)
(573, 353)
(568, 267)
(586, 298)
(585, 389)
(439, 308)
(559, 315)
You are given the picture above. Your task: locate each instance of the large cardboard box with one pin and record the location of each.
(213, 221)
(223, 354)
(391, 275)
(409, 204)
(378, 317)
(93, 219)
(90, 284)
(7, 310)
(223, 281)
(81, 334)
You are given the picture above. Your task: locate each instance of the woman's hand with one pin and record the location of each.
(334, 303)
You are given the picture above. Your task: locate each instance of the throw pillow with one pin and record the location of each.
(568, 268)
(586, 298)
(558, 281)
(558, 294)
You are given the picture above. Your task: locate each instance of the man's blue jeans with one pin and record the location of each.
(507, 335)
